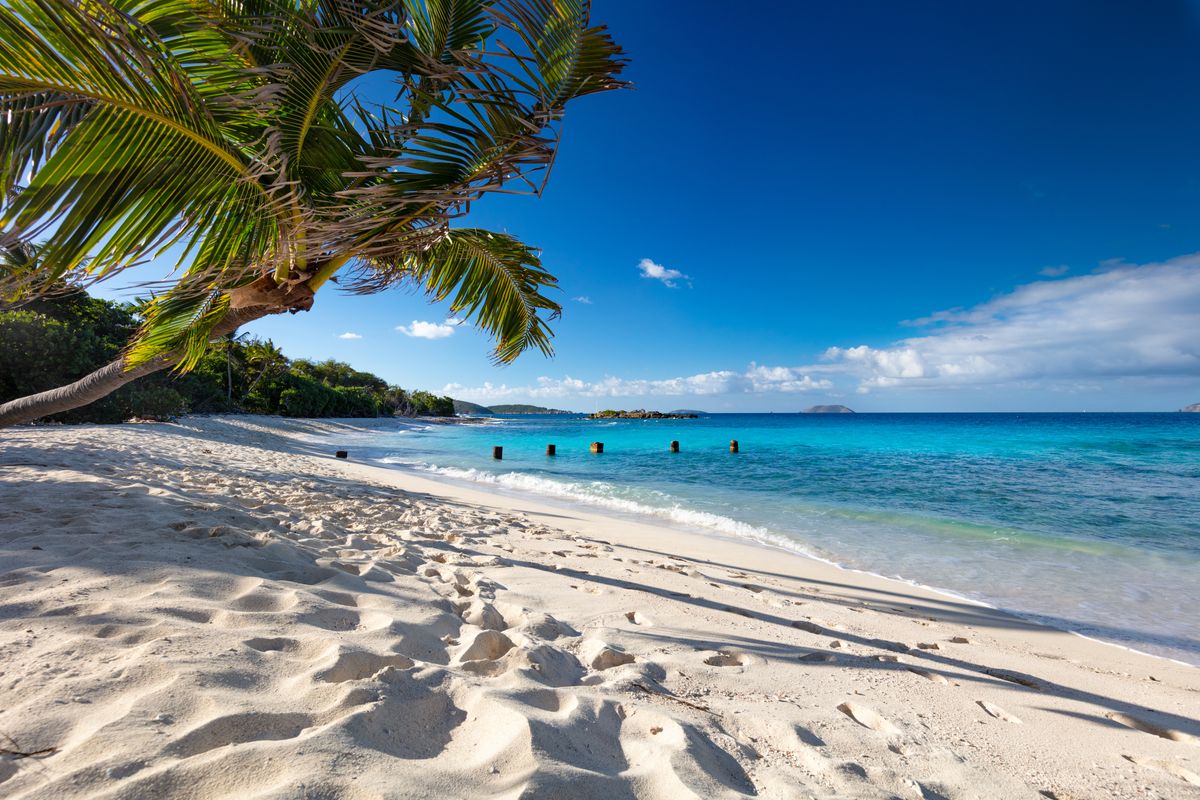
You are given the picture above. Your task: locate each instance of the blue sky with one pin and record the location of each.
(917, 206)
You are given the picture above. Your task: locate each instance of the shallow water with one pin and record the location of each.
(1089, 522)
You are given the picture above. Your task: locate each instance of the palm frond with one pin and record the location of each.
(489, 127)
(490, 279)
(31, 127)
(145, 159)
(561, 56)
(180, 321)
(443, 28)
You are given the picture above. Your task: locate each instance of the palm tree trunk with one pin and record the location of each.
(111, 377)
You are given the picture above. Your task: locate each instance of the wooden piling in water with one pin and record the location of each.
(551, 450)
(674, 447)
(341, 454)
(497, 453)
(733, 445)
(597, 447)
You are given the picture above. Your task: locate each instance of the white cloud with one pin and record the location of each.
(429, 330)
(1054, 272)
(349, 335)
(583, 298)
(1125, 322)
(660, 273)
(755, 379)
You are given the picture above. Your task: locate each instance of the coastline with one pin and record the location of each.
(536, 647)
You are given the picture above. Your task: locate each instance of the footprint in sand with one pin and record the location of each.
(1013, 677)
(276, 645)
(1184, 774)
(929, 676)
(358, 664)
(340, 598)
(487, 646)
(998, 712)
(638, 618)
(866, 716)
(601, 656)
(240, 729)
(485, 615)
(264, 601)
(727, 658)
(1156, 730)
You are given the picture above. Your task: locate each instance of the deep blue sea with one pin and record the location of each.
(1088, 522)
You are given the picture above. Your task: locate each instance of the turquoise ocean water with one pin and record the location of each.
(1088, 522)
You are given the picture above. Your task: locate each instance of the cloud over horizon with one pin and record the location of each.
(1123, 322)
(660, 273)
(755, 379)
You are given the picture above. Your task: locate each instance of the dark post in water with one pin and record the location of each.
(497, 453)
(550, 450)
(597, 447)
(733, 447)
(674, 447)
(341, 454)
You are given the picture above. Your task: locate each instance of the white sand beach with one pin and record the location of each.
(217, 609)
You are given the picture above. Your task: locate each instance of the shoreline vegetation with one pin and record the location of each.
(53, 341)
(241, 613)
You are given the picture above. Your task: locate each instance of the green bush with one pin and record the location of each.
(156, 402)
(353, 401)
(38, 352)
(305, 398)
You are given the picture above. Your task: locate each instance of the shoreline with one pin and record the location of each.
(581, 505)
(220, 606)
(722, 527)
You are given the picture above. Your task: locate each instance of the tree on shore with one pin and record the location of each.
(232, 128)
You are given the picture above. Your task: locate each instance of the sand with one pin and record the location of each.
(217, 608)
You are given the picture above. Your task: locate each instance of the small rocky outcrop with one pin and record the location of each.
(639, 413)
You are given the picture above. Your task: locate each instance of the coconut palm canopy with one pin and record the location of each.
(232, 129)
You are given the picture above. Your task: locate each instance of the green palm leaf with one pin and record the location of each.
(490, 279)
(144, 161)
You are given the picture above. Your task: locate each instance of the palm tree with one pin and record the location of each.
(265, 360)
(235, 130)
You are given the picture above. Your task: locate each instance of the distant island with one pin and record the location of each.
(464, 407)
(519, 408)
(1193, 408)
(640, 413)
(827, 410)
(689, 411)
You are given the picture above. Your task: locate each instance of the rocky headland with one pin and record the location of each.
(639, 413)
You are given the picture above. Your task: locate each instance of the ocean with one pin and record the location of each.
(1086, 522)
